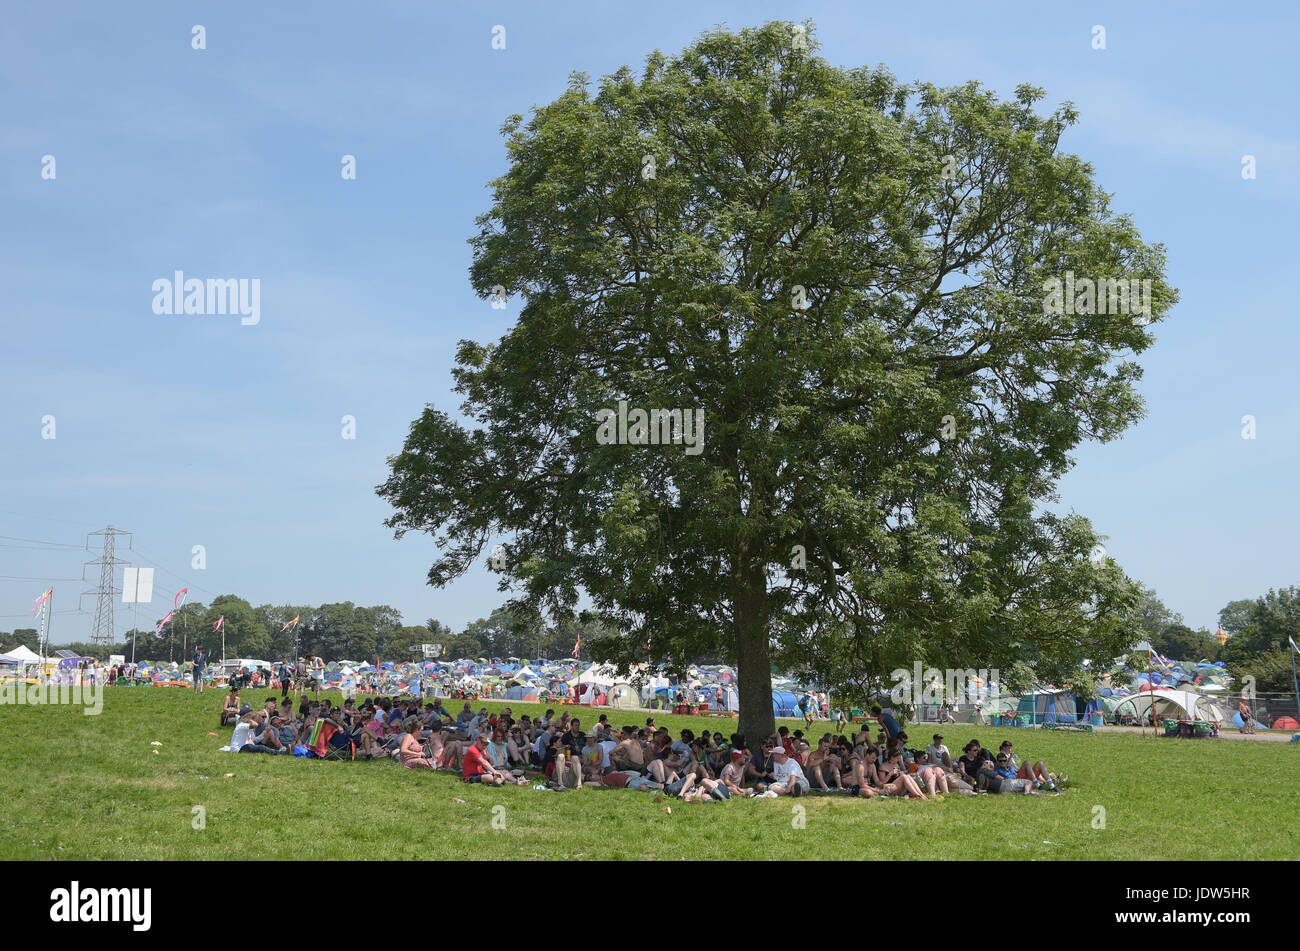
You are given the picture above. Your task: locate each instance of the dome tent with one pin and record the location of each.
(1175, 704)
(785, 703)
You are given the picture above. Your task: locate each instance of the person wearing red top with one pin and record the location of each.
(477, 766)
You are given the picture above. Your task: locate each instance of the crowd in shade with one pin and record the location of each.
(561, 753)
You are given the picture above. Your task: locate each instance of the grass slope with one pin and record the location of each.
(91, 787)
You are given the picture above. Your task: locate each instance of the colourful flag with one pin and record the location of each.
(291, 623)
(577, 645)
(221, 622)
(42, 599)
(179, 599)
(162, 622)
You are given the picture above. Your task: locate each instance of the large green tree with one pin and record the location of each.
(847, 277)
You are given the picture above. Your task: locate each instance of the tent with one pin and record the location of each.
(785, 703)
(20, 655)
(623, 696)
(1048, 706)
(602, 675)
(1286, 723)
(1170, 704)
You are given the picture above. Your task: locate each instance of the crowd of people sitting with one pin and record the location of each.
(499, 749)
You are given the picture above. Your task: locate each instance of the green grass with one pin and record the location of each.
(90, 787)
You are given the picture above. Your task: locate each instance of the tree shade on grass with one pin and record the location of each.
(79, 787)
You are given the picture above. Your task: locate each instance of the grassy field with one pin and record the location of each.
(92, 787)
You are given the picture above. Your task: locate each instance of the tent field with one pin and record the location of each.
(93, 787)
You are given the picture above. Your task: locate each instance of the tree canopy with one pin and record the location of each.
(845, 275)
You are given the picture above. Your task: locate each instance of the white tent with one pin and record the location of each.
(21, 655)
(1172, 704)
(602, 675)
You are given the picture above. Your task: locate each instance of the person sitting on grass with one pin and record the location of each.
(1005, 780)
(861, 779)
(412, 752)
(517, 747)
(477, 767)
(758, 771)
(974, 764)
(733, 774)
(370, 738)
(823, 767)
(592, 757)
(562, 768)
(230, 707)
(1037, 773)
(261, 730)
(895, 780)
(628, 756)
(787, 776)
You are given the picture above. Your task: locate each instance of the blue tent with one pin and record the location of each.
(1045, 707)
(785, 703)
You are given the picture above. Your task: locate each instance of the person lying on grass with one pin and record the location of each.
(1037, 773)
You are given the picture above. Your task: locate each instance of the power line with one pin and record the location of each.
(182, 578)
(41, 541)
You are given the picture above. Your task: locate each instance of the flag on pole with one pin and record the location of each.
(1293, 645)
(179, 599)
(290, 623)
(162, 622)
(43, 598)
(577, 645)
(1221, 636)
(220, 623)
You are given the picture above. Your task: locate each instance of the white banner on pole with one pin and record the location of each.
(137, 585)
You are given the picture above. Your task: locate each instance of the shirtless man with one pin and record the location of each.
(821, 757)
(628, 756)
(861, 776)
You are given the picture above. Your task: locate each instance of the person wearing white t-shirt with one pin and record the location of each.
(605, 747)
(787, 775)
(936, 754)
(239, 739)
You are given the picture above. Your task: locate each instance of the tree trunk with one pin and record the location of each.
(753, 656)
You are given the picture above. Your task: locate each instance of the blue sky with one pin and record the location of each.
(226, 162)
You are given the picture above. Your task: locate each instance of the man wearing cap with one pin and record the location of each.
(787, 775)
(733, 774)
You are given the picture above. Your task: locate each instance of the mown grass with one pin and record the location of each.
(91, 787)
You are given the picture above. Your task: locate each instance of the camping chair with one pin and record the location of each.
(318, 741)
